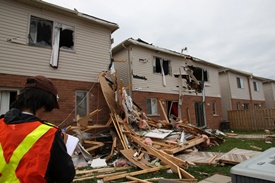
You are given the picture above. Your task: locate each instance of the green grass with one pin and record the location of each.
(201, 172)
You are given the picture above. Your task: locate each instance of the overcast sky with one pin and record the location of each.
(239, 34)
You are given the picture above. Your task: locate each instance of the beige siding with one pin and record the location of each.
(225, 93)
(257, 95)
(92, 46)
(154, 82)
(123, 67)
(238, 93)
(269, 92)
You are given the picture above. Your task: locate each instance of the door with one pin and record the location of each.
(199, 112)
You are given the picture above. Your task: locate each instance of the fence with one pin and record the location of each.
(255, 119)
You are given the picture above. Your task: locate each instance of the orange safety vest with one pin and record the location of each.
(25, 151)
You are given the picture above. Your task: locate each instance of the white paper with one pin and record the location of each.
(71, 144)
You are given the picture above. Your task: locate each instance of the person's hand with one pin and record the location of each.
(65, 137)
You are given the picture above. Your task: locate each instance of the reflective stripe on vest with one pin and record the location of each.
(7, 170)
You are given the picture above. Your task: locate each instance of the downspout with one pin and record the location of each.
(249, 89)
(203, 101)
(129, 67)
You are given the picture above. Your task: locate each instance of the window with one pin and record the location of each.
(162, 66)
(82, 103)
(256, 86)
(240, 82)
(151, 106)
(40, 32)
(48, 33)
(214, 108)
(7, 97)
(256, 106)
(238, 106)
(245, 106)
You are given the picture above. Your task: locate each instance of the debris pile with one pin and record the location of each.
(131, 140)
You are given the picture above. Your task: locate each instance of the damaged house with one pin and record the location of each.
(240, 90)
(71, 48)
(169, 85)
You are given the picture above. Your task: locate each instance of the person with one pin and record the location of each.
(33, 150)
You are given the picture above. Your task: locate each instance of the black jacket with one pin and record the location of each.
(60, 168)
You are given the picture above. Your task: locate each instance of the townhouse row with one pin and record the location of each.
(73, 48)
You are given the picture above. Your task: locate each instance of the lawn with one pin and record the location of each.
(201, 172)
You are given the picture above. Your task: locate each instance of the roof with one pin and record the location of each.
(142, 43)
(72, 13)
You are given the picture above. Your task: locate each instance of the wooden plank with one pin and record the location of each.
(129, 154)
(191, 143)
(136, 179)
(149, 170)
(173, 166)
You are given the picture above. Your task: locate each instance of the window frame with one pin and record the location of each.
(157, 67)
(78, 103)
(214, 108)
(152, 106)
(54, 24)
(240, 82)
(256, 86)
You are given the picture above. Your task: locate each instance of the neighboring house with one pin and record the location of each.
(269, 92)
(240, 90)
(71, 48)
(187, 87)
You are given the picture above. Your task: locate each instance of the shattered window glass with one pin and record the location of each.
(160, 64)
(40, 32)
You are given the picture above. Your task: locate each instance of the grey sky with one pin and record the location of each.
(239, 34)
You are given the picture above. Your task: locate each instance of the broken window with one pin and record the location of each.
(151, 106)
(199, 73)
(162, 66)
(43, 33)
(40, 32)
(256, 86)
(82, 103)
(240, 82)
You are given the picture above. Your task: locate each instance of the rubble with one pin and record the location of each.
(134, 141)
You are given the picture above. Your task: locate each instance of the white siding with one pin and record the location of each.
(92, 46)
(225, 93)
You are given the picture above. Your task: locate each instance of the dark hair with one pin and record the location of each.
(34, 99)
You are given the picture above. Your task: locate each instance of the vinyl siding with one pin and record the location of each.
(154, 82)
(269, 92)
(90, 57)
(238, 93)
(257, 95)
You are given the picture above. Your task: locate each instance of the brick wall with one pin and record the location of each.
(66, 93)
(188, 109)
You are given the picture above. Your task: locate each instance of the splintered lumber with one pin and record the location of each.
(112, 150)
(136, 179)
(129, 154)
(84, 120)
(97, 144)
(119, 131)
(191, 143)
(164, 113)
(149, 170)
(103, 170)
(175, 168)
